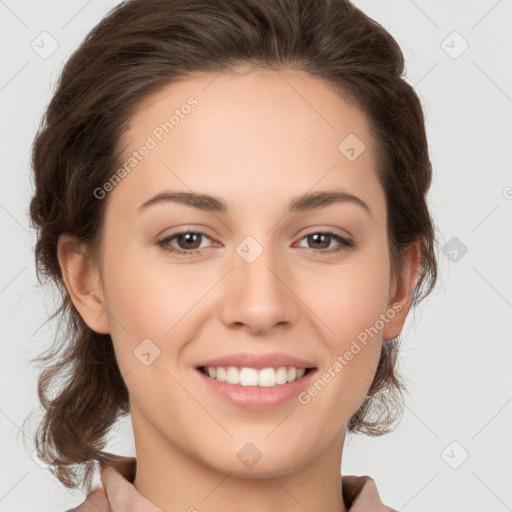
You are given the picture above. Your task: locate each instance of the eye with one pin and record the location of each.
(321, 242)
(189, 242)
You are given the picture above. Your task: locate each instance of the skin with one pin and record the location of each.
(256, 139)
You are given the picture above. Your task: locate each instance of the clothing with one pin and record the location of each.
(117, 493)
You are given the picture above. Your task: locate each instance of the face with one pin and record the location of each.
(188, 281)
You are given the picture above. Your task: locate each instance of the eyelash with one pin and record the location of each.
(346, 243)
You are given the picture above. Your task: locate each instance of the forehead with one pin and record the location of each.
(246, 97)
(262, 131)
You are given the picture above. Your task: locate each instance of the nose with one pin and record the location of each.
(259, 291)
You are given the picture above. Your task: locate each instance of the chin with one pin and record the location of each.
(257, 459)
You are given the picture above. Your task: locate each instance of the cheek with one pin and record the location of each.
(348, 298)
(153, 308)
(349, 303)
(140, 313)
(349, 314)
(144, 294)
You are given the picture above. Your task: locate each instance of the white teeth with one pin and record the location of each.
(267, 377)
(292, 373)
(248, 377)
(232, 375)
(221, 374)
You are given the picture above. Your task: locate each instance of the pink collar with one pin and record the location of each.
(117, 493)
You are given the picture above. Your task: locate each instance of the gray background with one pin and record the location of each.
(457, 352)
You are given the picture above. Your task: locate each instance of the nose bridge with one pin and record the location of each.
(258, 296)
(256, 265)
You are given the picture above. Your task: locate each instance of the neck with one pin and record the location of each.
(174, 479)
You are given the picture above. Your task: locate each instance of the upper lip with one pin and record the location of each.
(258, 361)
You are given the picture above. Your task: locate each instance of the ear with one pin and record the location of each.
(402, 290)
(82, 280)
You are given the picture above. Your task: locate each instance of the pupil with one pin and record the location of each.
(316, 237)
(188, 237)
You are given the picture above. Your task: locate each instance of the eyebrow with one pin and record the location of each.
(306, 202)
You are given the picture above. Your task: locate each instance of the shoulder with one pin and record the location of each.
(361, 494)
(96, 501)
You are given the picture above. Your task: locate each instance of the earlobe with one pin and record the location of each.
(82, 281)
(401, 299)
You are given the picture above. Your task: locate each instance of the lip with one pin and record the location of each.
(258, 361)
(255, 397)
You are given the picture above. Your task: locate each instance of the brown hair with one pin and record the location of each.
(141, 46)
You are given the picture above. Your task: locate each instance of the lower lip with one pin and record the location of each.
(255, 397)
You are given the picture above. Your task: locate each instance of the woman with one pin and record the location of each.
(232, 197)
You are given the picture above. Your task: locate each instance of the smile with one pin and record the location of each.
(255, 389)
(246, 376)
